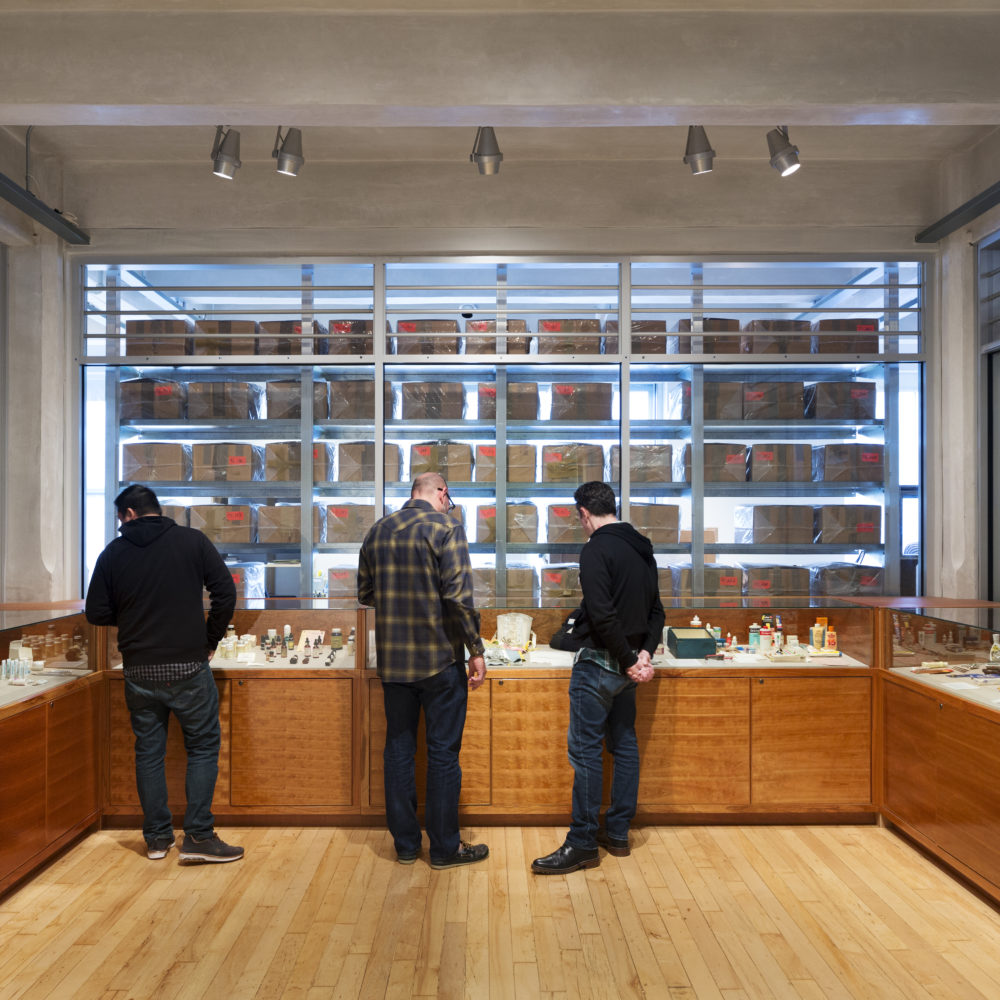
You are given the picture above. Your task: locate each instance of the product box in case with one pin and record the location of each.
(849, 463)
(581, 401)
(426, 336)
(569, 336)
(774, 524)
(281, 524)
(781, 462)
(846, 580)
(284, 400)
(572, 463)
(283, 461)
(719, 582)
(775, 581)
(342, 584)
(356, 462)
(522, 523)
(433, 400)
(773, 401)
(348, 522)
(514, 341)
(649, 336)
(848, 524)
(287, 336)
(776, 336)
(153, 399)
(648, 463)
(841, 400)
(688, 643)
(230, 462)
(224, 401)
(522, 460)
(224, 336)
(522, 400)
(560, 586)
(449, 458)
(224, 524)
(846, 335)
(354, 399)
(563, 525)
(659, 522)
(155, 461)
(158, 337)
(719, 336)
(351, 336)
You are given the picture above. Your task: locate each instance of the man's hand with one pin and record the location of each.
(477, 671)
(211, 653)
(640, 671)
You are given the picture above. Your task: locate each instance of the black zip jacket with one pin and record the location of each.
(149, 582)
(621, 595)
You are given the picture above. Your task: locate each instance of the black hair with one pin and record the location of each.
(597, 497)
(141, 499)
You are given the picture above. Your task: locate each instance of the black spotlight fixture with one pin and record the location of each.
(699, 153)
(288, 152)
(784, 156)
(485, 152)
(226, 153)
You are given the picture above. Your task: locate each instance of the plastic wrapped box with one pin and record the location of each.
(522, 523)
(569, 336)
(648, 463)
(158, 337)
(846, 400)
(153, 399)
(348, 522)
(723, 400)
(426, 336)
(283, 461)
(224, 336)
(514, 341)
(284, 400)
(224, 401)
(659, 522)
(351, 336)
(846, 580)
(451, 459)
(846, 335)
(719, 581)
(249, 580)
(719, 336)
(281, 524)
(775, 581)
(848, 524)
(522, 460)
(774, 524)
(649, 336)
(849, 463)
(560, 586)
(433, 400)
(573, 463)
(225, 524)
(723, 462)
(781, 462)
(342, 584)
(776, 336)
(155, 461)
(231, 462)
(773, 401)
(563, 525)
(354, 399)
(522, 400)
(286, 336)
(581, 401)
(356, 462)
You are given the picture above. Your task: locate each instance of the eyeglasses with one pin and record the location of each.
(444, 490)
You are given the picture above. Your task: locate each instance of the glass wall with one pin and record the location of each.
(769, 414)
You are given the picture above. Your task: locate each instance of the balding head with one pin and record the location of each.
(431, 486)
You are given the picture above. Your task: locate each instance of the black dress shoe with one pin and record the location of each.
(566, 859)
(618, 846)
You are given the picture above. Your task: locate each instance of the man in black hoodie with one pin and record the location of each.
(620, 626)
(149, 582)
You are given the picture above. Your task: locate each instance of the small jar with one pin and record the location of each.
(336, 638)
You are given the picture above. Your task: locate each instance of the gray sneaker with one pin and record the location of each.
(209, 849)
(157, 847)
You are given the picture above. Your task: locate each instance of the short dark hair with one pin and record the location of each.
(597, 497)
(141, 499)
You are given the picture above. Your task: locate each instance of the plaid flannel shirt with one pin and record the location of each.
(414, 570)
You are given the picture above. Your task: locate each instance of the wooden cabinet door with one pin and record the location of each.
(71, 795)
(694, 741)
(910, 738)
(811, 741)
(22, 788)
(474, 758)
(292, 741)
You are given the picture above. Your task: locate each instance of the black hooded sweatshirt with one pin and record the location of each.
(149, 582)
(621, 595)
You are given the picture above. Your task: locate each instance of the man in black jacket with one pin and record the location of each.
(149, 582)
(620, 627)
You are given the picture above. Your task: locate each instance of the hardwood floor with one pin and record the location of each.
(696, 912)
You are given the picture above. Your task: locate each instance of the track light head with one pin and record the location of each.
(226, 153)
(699, 153)
(784, 156)
(485, 151)
(288, 152)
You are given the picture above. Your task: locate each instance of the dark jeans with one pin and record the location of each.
(195, 702)
(443, 699)
(601, 710)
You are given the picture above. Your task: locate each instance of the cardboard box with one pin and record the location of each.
(286, 336)
(283, 461)
(153, 399)
(522, 400)
(522, 587)
(563, 525)
(560, 586)
(513, 343)
(848, 524)
(568, 336)
(229, 462)
(648, 463)
(449, 458)
(426, 336)
(723, 400)
(776, 336)
(665, 582)
(348, 522)
(719, 581)
(484, 586)
(713, 338)
(849, 463)
(354, 399)
(846, 335)
(678, 400)
(281, 524)
(284, 400)
(776, 581)
(781, 463)
(846, 580)
(581, 401)
(176, 513)
(356, 462)
(433, 400)
(722, 463)
(249, 580)
(342, 584)
(224, 524)
(225, 336)
(774, 524)
(659, 522)
(351, 336)
(522, 523)
(522, 461)
(149, 462)
(158, 337)
(572, 463)
(224, 401)
(846, 400)
(649, 336)
(773, 401)
(709, 536)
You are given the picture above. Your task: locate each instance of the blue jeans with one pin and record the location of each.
(601, 710)
(195, 703)
(443, 698)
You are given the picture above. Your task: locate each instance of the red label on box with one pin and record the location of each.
(406, 326)
(234, 515)
(237, 460)
(340, 327)
(315, 452)
(237, 578)
(766, 456)
(728, 581)
(868, 581)
(339, 511)
(761, 584)
(561, 511)
(487, 512)
(866, 526)
(476, 326)
(488, 390)
(563, 390)
(733, 459)
(866, 327)
(340, 574)
(859, 393)
(163, 390)
(422, 449)
(870, 456)
(487, 450)
(553, 577)
(550, 325)
(553, 456)
(754, 395)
